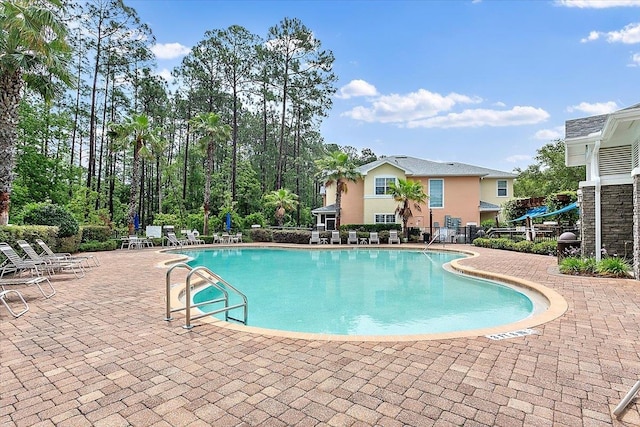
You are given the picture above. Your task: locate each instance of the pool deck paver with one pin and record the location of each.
(100, 354)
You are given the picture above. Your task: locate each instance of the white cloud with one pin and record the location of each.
(597, 4)
(516, 116)
(594, 109)
(418, 105)
(517, 158)
(169, 50)
(165, 74)
(635, 60)
(630, 34)
(550, 134)
(357, 88)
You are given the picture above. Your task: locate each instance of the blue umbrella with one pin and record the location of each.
(227, 221)
(136, 222)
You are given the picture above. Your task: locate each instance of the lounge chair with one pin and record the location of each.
(37, 281)
(237, 238)
(315, 238)
(16, 265)
(335, 237)
(373, 238)
(216, 238)
(174, 241)
(3, 299)
(352, 238)
(193, 240)
(53, 264)
(393, 237)
(48, 253)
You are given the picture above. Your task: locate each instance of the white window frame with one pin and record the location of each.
(387, 216)
(431, 199)
(506, 188)
(386, 187)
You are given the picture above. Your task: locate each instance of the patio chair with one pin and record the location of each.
(174, 241)
(52, 264)
(335, 237)
(37, 281)
(16, 265)
(352, 238)
(373, 238)
(393, 237)
(48, 253)
(237, 238)
(3, 299)
(216, 238)
(315, 238)
(193, 240)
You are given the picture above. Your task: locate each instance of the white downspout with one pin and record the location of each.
(595, 169)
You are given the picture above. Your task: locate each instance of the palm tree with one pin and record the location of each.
(135, 131)
(33, 50)
(338, 168)
(213, 132)
(282, 200)
(405, 192)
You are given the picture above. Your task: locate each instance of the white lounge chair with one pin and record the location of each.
(393, 237)
(48, 253)
(193, 239)
(315, 238)
(335, 237)
(16, 265)
(3, 299)
(352, 238)
(174, 241)
(53, 264)
(373, 238)
(36, 281)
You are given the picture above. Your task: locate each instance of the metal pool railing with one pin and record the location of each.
(205, 276)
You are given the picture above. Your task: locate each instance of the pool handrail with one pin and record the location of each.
(216, 283)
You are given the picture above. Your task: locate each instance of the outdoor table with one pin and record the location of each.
(363, 241)
(324, 241)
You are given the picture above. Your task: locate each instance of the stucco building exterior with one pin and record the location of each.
(459, 194)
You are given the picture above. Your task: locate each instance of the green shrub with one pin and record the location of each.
(98, 233)
(370, 227)
(291, 236)
(571, 265)
(523, 246)
(261, 235)
(54, 215)
(614, 267)
(96, 246)
(547, 247)
(254, 218)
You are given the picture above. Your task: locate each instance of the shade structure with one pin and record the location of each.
(541, 212)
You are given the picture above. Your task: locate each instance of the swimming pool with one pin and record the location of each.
(359, 291)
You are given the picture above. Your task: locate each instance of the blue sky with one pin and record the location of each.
(480, 82)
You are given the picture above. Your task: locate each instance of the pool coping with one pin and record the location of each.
(557, 305)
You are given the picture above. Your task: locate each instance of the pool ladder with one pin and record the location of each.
(209, 277)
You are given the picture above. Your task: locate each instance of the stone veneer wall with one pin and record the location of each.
(617, 219)
(636, 227)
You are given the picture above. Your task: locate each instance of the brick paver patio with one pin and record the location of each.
(100, 354)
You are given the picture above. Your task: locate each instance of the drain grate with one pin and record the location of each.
(512, 334)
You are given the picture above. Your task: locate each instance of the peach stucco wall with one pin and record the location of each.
(352, 201)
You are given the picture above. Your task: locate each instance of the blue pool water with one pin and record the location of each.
(359, 291)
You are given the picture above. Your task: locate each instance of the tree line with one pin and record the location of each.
(85, 123)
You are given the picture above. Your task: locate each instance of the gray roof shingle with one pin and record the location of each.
(413, 166)
(585, 126)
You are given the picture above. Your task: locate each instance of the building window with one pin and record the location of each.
(385, 218)
(382, 185)
(436, 193)
(502, 188)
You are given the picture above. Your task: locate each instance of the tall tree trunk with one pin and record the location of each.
(207, 187)
(92, 116)
(9, 101)
(135, 182)
(338, 202)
